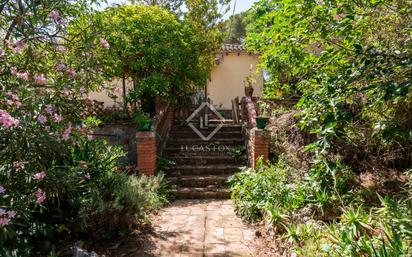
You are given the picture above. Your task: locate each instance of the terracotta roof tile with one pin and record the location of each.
(230, 48)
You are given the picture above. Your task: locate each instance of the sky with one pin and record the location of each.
(241, 5)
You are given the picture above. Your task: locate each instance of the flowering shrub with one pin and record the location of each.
(48, 166)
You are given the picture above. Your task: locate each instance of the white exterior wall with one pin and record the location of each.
(226, 81)
(113, 88)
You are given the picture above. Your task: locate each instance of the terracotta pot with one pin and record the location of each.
(249, 91)
(261, 122)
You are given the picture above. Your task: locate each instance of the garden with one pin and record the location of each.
(58, 183)
(337, 97)
(339, 179)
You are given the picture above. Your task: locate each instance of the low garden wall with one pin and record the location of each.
(121, 134)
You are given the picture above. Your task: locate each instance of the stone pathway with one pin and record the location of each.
(200, 228)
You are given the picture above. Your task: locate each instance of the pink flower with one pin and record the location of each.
(62, 22)
(57, 118)
(66, 133)
(23, 75)
(87, 176)
(49, 109)
(61, 49)
(1, 52)
(42, 119)
(39, 176)
(82, 90)
(7, 121)
(11, 214)
(13, 71)
(54, 15)
(4, 222)
(89, 137)
(104, 43)
(2, 190)
(61, 67)
(19, 46)
(40, 79)
(71, 72)
(40, 195)
(2, 212)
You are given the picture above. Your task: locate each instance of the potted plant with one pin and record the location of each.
(143, 121)
(264, 114)
(249, 81)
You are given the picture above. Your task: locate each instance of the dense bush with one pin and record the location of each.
(51, 172)
(313, 223)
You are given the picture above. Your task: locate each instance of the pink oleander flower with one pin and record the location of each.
(23, 75)
(66, 133)
(61, 49)
(87, 176)
(2, 212)
(12, 96)
(104, 43)
(42, 119)
(11, 214)
(71, 72)
(57, 118)
(49, 109)
(61, 67)
(40, 195)
(89, 137)
(19, 46)
(39, 176)
(2, 190)
(7, 121)
(13, 71)
(40, 79)
(62, 22)
(55, 15)
(4, 222)
(82, 90)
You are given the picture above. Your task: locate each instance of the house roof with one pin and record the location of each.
(231, 48)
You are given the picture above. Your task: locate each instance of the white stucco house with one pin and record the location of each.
(226, 81)
(233, 65)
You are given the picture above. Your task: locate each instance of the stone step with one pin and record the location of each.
(213, 143)
(211, 192)
(224, 128)
(199, 181)
(193, 170)
(208, 160)
(217, 136)
(201, 151)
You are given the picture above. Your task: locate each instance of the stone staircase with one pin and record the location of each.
(203, 167)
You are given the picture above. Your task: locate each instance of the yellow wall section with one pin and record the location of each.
(226, 82)
(227, 78)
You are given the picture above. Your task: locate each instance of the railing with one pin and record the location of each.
(249, 113)
(162, 124)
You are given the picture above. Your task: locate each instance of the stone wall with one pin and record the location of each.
(121, 134)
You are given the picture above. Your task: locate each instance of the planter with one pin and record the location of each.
(261, 122)
(249, 91)
(144, 125)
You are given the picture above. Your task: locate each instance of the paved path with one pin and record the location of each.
(200, 228)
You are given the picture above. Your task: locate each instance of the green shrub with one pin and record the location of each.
(120, 202)
(257, 194)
